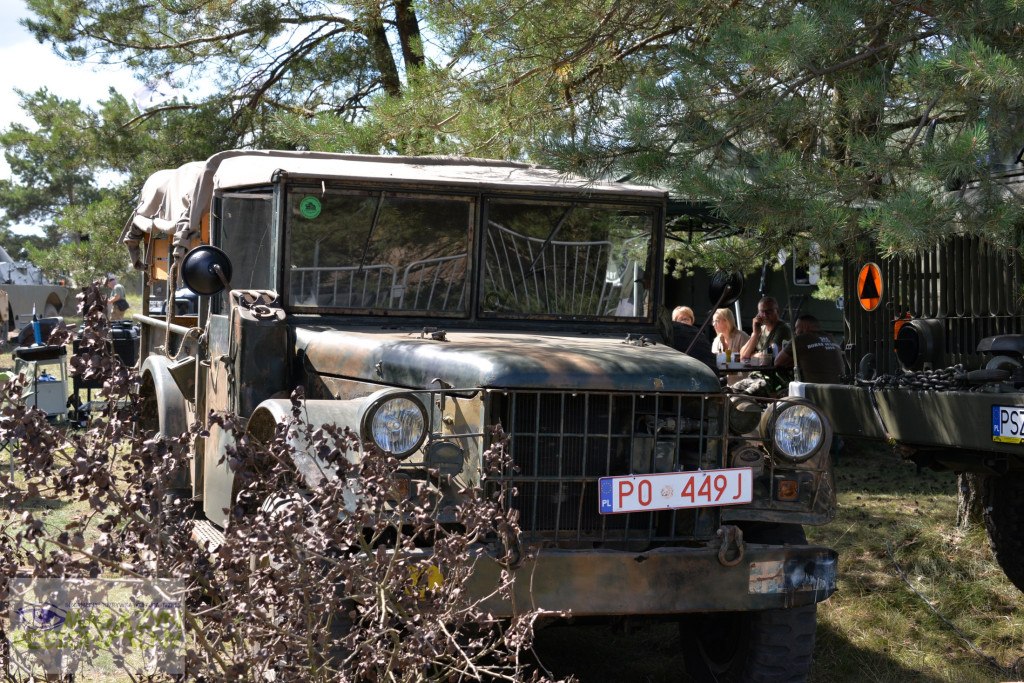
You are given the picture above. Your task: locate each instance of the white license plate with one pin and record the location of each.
(1008, 424)
(674, 490)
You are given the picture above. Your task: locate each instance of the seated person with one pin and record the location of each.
(685, 336)
(728, 339)
(727, 336)
(683, 314)
(814, 355)
(768, 330)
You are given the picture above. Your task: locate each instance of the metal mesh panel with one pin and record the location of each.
(562, 443)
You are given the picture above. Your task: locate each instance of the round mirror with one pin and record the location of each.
(725, 288)
(199, 270)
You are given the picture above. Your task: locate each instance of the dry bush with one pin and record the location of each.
(328, 581)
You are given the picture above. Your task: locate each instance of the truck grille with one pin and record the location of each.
(562, 443)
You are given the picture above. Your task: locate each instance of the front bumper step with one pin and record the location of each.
(661, 581)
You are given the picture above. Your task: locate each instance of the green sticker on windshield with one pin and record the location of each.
(309, 207)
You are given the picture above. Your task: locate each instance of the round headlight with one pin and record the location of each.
(397, 424)
(797, 430)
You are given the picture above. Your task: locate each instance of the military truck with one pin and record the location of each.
(28, 291)
(936, 351)
(420, 301)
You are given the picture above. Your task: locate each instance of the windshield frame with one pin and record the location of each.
(652, 207)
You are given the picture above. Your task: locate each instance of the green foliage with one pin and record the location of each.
(55, 165)
(96, 254)
(264, 57)
(825, 121)
(60, 166)
(831, 122)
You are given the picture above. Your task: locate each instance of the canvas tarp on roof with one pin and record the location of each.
(164, 206)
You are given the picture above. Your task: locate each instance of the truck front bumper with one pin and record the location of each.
(660, 581)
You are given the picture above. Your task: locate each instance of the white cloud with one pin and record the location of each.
(30, 65)
(11, 33)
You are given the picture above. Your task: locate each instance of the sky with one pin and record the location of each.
(28, 65)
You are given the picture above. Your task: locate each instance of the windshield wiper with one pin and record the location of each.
(550, 237)
(373, 227)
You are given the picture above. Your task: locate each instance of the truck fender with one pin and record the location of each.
(222, 487)
(317, 413)
(163, 411)
(163, 407)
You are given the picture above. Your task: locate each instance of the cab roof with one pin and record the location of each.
(253, 168)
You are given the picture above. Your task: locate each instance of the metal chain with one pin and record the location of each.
(954, 378)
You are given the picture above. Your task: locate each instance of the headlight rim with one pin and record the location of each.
(374, 407)
(769, 425)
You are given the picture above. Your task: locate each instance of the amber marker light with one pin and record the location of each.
(787, 489)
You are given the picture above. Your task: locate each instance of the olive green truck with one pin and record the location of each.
(421, 301)
(935, 344)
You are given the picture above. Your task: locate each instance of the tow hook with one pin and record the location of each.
(732, 536)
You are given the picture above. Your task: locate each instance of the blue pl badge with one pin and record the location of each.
(606, 495)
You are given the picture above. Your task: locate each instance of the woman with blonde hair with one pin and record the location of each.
(727, 336)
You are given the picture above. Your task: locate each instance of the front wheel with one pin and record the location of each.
(755, 647)
(299, 576)
(1004, 522)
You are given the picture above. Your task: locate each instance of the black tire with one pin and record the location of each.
(1004, 522)
(752, 647)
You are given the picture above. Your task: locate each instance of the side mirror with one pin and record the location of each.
(725, 288)
(206, 270)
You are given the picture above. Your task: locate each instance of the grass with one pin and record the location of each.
(893, 518)
(57, 515)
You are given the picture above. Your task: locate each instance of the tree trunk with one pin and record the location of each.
(408, 26)
(377, 36)
(969, 507)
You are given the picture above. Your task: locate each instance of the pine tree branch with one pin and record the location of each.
(185, 45)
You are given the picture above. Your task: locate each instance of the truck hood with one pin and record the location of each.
(505, 360)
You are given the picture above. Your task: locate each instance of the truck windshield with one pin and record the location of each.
(566, 259)
(366, 251)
